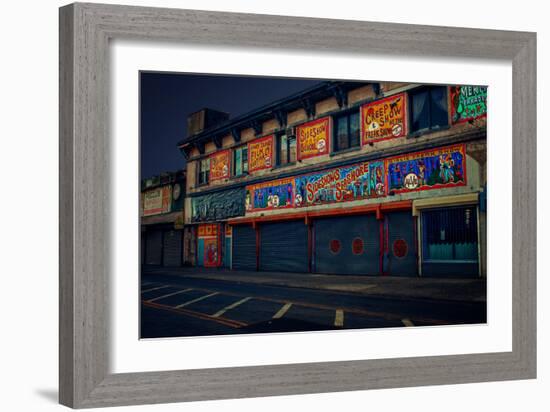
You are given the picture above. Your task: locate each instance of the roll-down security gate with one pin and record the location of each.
(400, 244)
(172, 248)
(244, 248)
(347, 245)
(283, 246)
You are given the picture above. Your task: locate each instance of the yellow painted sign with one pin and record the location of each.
(313, 138)
(220, 165)
(260, 154)
(157, 201)
(384, 119)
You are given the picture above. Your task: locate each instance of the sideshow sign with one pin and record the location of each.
(313, 138)
(277, 194)
(220, 165)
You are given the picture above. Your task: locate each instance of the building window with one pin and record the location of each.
(240, 161)
(204, 171)
(450, 234)
(347, 131)
(428, 108)
(286, 149)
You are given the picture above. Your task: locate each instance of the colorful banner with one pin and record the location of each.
(384, 119)
(157, 201)
(260, 154)
(208, 230)
(220, 165)
(359, 181)
(211, 252)
(277, 194)
(313, 138)
(431, 169)
(468, 103)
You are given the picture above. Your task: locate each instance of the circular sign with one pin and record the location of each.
(177, 191)
(397, 130)
(321, 144)
(411, 181)
(335, 246)
(400, 248)
(357, 246)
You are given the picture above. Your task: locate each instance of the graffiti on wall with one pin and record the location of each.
(157, 201)
(220, 165)
(260, 154)
(359, 181)
(383, 119)
(218, 205)
(277, 194)
(431, 169)
(313, 138)
(468, 103)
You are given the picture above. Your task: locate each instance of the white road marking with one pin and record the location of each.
(233, 305)
(170, 294)
(147, 283)
(282, 311)
(339, 318)
(196, 300)
(407, 322)
(157, 288)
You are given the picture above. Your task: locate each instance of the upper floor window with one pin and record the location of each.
(347, 131)
(428, 107)
(204, 171)
(286, 149)
(240, 161)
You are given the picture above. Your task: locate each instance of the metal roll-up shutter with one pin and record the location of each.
(153, 250)
(400, 256)
(283, 247)
(172, 248)
(347, 245)
(244, 248)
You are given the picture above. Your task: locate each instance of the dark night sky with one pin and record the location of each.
(167, 100)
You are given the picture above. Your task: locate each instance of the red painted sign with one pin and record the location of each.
(220, 163)
(260, 154)
(313, 138)
(384, 119)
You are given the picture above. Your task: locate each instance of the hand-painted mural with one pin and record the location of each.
(359, 181)
(220, 165)
(260, 154)
(313, 138)
(468, 103)
(384, 119)
(277, 194)
(218, 205)
(432, 169)
(157, 201)
(209, 245)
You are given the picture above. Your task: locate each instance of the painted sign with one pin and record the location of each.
(313, 138)
(209, 244)
(468, 103)
(359, 181)
(277, 194)
(431, 169)
(218, 205)
(220, 165)
(157, 201)
(384, 119)
(260, 154)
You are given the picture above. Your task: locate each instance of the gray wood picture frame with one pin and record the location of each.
(85, 31)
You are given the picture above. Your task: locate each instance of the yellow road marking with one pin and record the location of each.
(157, 288)
(282, 311)
(407, 322)
(170, 294)
(233, 305)
(196, 300)
(339, 318)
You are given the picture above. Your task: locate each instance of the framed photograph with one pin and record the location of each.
(260, 205)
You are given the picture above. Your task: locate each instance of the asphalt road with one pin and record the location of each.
(174, 306)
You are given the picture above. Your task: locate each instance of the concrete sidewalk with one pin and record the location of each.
(465, 290)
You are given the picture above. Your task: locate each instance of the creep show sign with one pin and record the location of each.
(359, 181)
(383, 119)
(219, 165)
(431, 169)
(260, 154)
(468, 103)
(313, 138)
